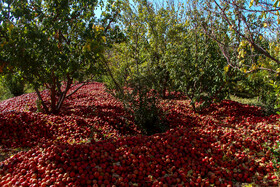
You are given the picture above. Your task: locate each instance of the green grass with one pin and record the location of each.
(6, 94)
(268, 110)
(250, 101)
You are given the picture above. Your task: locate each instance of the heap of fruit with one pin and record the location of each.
(94, 142)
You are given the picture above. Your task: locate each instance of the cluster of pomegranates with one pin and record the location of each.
(94, 142)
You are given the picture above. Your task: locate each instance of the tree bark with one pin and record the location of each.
(40, 98)
(63, 94)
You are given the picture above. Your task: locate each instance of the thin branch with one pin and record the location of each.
(256, 46)
(111, 21)
(267, 6)
(84, 83)
(112, 76)
(63, 95)
(41, 99)
(63, 37)
(260, 68)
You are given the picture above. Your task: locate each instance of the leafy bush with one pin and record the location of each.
(196, 68)
(269, 95)
(143, 104)
(276, 155)
(4, 93)
(14, 84)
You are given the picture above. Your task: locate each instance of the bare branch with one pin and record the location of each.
(63, 95)
(250, 40)
(84, 83)
(42, 101)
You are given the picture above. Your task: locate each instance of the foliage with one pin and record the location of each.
(134, 90)
(129, 67)
(247, 34)
(248, 101)
(50, 43)
(195, 65)
(276, 154)
(4, 93)
(271, 96)
(169, 51)
(14, 84)
(143, 104)
(250, 28)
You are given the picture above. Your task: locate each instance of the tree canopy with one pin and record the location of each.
(163, 46)
(50, 43)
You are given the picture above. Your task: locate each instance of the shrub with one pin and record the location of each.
(14, 84)
(143, 104)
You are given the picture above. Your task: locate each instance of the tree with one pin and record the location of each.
(132, 64)
(165, 25)
(197, 68)
(247, 33)
(165, 49)
(50, 44)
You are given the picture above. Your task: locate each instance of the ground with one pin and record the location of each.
(94, 142)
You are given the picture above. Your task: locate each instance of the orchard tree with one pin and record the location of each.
(51, 44)
(247, 33)
(166, 49)
(149, 29)
(140, 61)
(197, 68)
(165, 23)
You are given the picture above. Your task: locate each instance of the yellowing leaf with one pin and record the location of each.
(243, 43)
(104, 38)
(261, 37)
(241, 54)
(2, 44)
(88, 47)
(254, 67)
(226, 68)
(251, 3)
(10, 27)
(275, 3)
(265, 25)
(98, 27)
(248, 185)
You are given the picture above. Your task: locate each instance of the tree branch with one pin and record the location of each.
(63, 95)
(41, 99)
(84, 83)
(251, 41)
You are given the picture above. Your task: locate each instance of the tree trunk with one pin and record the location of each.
(53, 99)
(63, 94)
(52, 90)
(41, 99)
